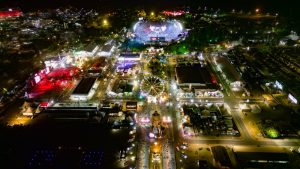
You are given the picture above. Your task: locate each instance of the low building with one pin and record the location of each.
(90, 50)
(196, 80)
(72, 110)
(122, 87)
(85, 89)
(229, 73)
(55, 62)
(99, 65)
(129, 56)
(106, 50)
(221, 156)
(131, 106)
(94, 72)
(263, 160)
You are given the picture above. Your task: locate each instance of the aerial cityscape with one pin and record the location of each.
(139, 85)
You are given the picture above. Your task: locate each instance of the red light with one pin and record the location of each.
(12, 13)
(56, 80)
(44, 104)
(173, 13)
(213, 80)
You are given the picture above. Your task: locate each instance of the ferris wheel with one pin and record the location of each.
(152, 85)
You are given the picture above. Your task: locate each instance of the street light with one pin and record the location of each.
(105, 22)
(257, 10)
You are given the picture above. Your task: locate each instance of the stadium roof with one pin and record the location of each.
(166, 30)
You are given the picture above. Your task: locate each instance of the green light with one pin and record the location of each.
(272, 132)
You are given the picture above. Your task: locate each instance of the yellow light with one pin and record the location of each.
(105, 22)
(135, 83)
(155, 150)
(256, 10)
(152, 13)
(20, 120)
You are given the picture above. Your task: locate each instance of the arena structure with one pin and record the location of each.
(163, 31)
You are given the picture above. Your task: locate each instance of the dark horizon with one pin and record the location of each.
(266, 5)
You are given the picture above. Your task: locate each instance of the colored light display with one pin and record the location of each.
(10, 13)
(146, 31)
(173, 13)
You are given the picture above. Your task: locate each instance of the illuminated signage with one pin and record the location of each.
(278, 85)
(292, 99)
(153, 38)
(37, 78)
(158, 29)
(47, 70)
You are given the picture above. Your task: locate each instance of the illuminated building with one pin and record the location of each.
(10, 13)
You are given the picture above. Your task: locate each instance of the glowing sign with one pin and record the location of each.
(153, 38)
(158, 29)
(47, 70)
(292, 99)
(37, 78)
(151, 135)
(278, 85)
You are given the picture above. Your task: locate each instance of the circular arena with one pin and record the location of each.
(146, 31)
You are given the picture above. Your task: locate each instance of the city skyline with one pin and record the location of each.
(127, 85)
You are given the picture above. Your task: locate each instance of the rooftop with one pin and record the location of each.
(107, 48)
(228, 69)
(130, 55)
(221, 155)
(195, 74)
(90, 47)
(263, 159)
(84, 85)
(247, 156)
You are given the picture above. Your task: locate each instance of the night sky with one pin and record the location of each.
(287, 7)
